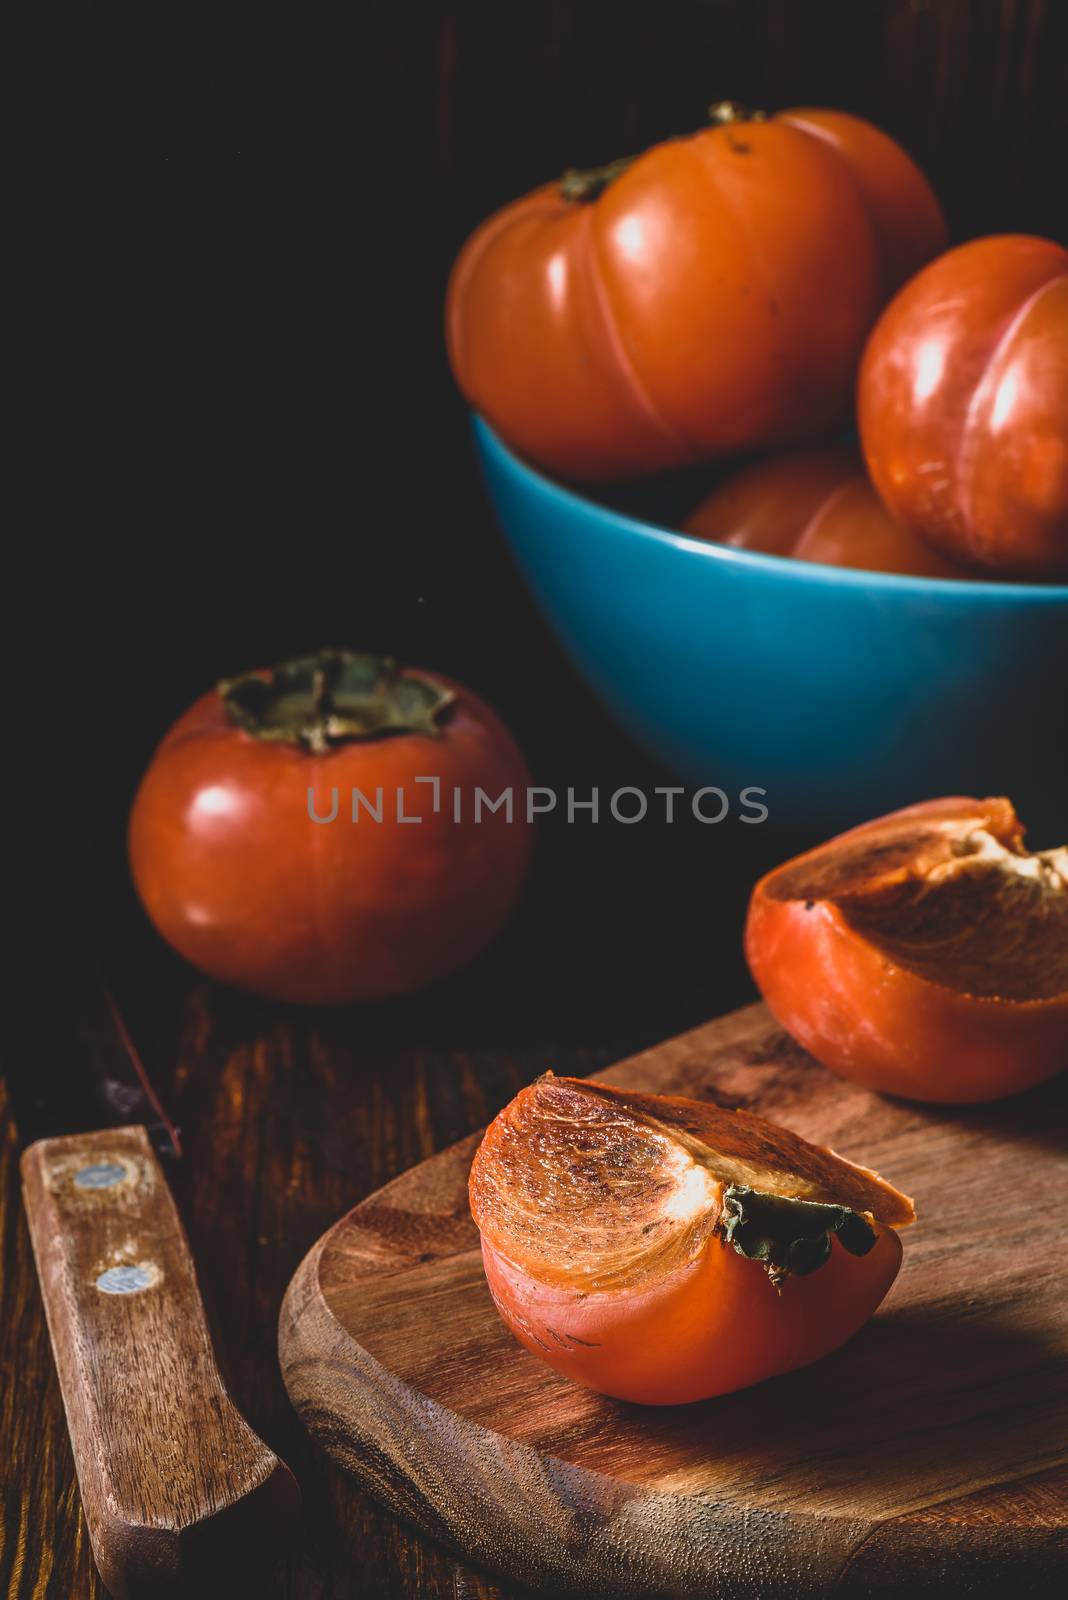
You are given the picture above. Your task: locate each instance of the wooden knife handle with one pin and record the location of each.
(174, 1483)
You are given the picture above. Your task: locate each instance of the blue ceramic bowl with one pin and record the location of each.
(842, 693)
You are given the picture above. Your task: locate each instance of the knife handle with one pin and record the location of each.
(174, 1483)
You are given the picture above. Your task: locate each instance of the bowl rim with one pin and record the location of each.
(981, 591)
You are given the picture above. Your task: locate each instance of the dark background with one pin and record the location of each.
(239, 220)
(236, 224)
(239, 439)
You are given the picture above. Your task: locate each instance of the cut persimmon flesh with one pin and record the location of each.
(924, 954)
(664, 1250)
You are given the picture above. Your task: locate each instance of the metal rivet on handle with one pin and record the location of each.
(101, 1175)
(127, 1280)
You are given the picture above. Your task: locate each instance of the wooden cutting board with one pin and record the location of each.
(926, 1456)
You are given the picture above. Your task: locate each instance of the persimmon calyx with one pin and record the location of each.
(332, 698)
(586, 184)
(789, 1236)
(725, 113)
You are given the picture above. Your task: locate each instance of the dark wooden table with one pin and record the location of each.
(626, 934)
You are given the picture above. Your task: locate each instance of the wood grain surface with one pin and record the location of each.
(398, 1364)
(175, 1485)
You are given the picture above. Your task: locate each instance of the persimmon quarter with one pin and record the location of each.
(923, 954)
(664, 1250)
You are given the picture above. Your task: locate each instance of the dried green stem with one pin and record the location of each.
(790, 1235)
(586, 184)
(332, 698)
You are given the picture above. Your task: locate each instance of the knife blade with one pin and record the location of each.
(86, 1069)
(175, 1484)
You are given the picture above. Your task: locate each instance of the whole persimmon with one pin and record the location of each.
(963, 405)
(664, 1250)
(315, 832)
(708, 296)
(924, 954)
(815, 505)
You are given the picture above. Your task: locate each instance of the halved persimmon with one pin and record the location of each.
(923, 954)
(664, 1250)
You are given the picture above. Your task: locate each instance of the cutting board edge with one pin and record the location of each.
(822, 1552)
(827, 1554)
(560, 1536)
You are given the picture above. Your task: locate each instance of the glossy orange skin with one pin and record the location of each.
(815, 505)
(882, 1026)
(239, 879)
(715, 296)
(963, 405)
(716, 1325)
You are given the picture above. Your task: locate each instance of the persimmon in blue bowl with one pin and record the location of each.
(842, 693)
